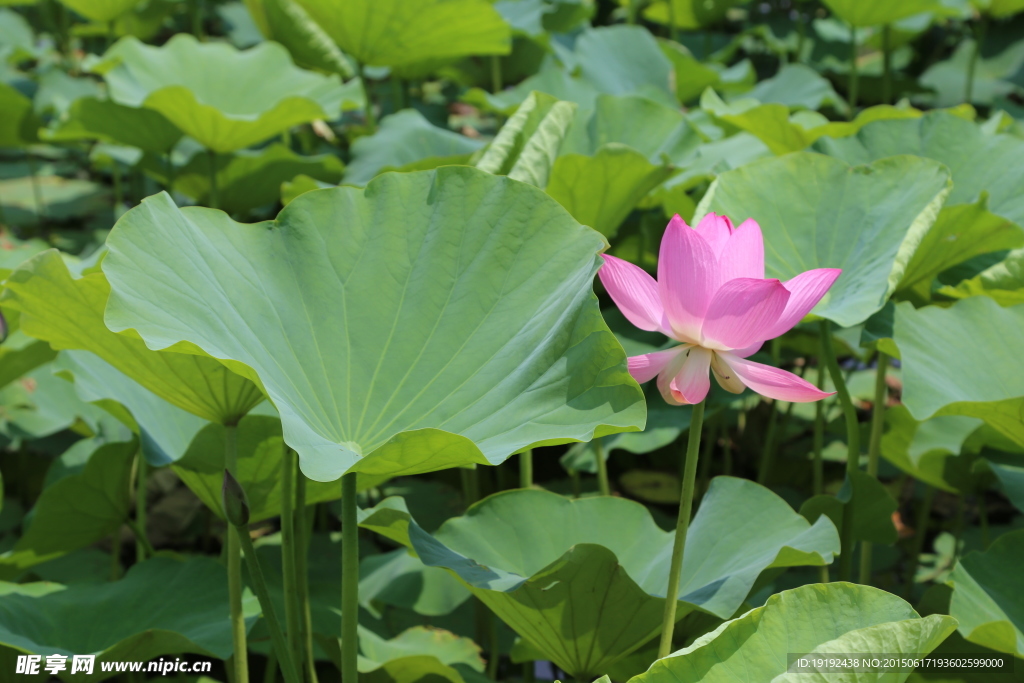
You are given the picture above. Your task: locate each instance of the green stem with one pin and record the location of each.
(496, 85)
(141, 487)
(854, 76)
(140, 537)
(673, 30)
(303, 529)
(819, 427)
(270, 673)
(887, 64)
(470, 485)
(214, 194)
(631, 11)
(979, 36)
(259, 584)
(574, 476)
(37, 190)
(526, 469)
(115, 555)
(397, 92)
(852, 442)
(709, 449)
(197, 18)
(920, 532)
(767, 451)
(874, 449)
(118, 190)
(602, 469)
(289, 554)
(349, 579)
(494, 656)
(371, 120)
(983, 520)
(170, 175)
(240, 658)
(668, 623)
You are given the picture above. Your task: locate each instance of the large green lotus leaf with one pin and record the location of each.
(979, 162)
(399, 579)
(986, 597)
(960, 233)
(444, 646)
(928, 450)
(90, 118)
(526, 146)
(602, 189)
(1002, 281)
(248, 179)
(161, 607)
(879, 12)
(541, 578)
(993, 76)
(260, 457)
(784, 132)
(68, 313)
(867, 500)
(28, 202)
(401, 33)
(799, 86)
(552, 80)
(286, 22)
(100, 10)
(14, 252)
(403, 138)
(165, 431)
(821, 619)
(964, 360)
(449, 321)
(665, 133)
(41, 404)
(817, 212)
(79, 509)
(621, 60)
(20, 354)
(688, 14)
(999, 9)
(224, 109)
(19, 125)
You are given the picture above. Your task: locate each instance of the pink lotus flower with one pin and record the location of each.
(712, 296)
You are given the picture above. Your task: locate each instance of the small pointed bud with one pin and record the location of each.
(232, 495)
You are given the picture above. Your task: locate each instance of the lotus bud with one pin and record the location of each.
(232, 495)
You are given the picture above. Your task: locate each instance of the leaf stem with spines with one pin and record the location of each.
(349, 579)
(668, 623)
(259, 585)
(602, 469)
(526, 469)
(240, 658)
(874, 449)
(852, 443)
(289, 553)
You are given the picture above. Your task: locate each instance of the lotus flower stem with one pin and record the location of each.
(303, 528)
(769, 440)
(854, 76)
(141, 486)
(240, 659)
(920, 532)
(270, 673)
(602, 469)
(979, 36)
(886, 63)
(526, 469)
(668, 623)
(289, 555)
(874, 448)
(852, 442)
(349, 579)
(259, 585)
